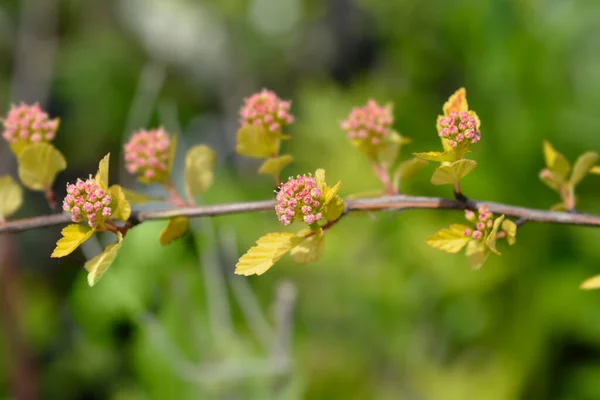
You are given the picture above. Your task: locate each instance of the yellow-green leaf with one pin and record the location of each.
(407, 169)
(255, 141)
(11, 197)
(490, 241)
(558, 207)
(98, 265)
(138, 198)
(102, 174)
(320, 180)
(331, 192)
(477, 253)
(39, 164)
(591, 283)
(595, 170)
(388, 151)
(446, 156)
(120, 206)
(268, 250)
(582, 166)
(555, 161)
(453, 173)
(334, 208)
(172, 152)
(450, 240)
(274, 166)
(309, 250)
(549, 178)
(457, 102)
(199, 163)
(72, 236)
(176, 228)
(511, 231)
(18, 147)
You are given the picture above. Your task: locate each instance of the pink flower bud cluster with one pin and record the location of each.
(147, 154)
(29, 124)
(299, 198)
(370, 123)
(483, 223)
(87, 202)
(458, 128)
(267, 110)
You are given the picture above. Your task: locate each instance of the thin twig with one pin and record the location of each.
(385, 203)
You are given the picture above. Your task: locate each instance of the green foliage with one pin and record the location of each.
(11, 197)
(39, 163)
(310, 249)
(450, 240)
(102, 174)
(452, 174)
(121, 209)
(138, 198)
(274, 166)
(199, 163)
(175, 229)
(257, 142)
(98, 265)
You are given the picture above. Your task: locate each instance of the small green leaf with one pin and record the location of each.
(18, 147)
(477, 253)
(176, 228)
(331, 192)
(388, 151)
(582, 166)
(549, 179)
(98, 265)
(102, 174)
(595, 170)
(120, 206)
(274, 166)
(39, 164)
(450, 240)
(446, 156)
(334, 208)
(72, 236)
(407, 169)
(11, 197)
(556, 162)
(558, 207)
(320, 180)
(172, 152)
(490, 241)
(269, 249)
(138, 198)
(199, 163)
(591, 283)
(452, 174)
(310, 249)
(511, 231)
(255, 141)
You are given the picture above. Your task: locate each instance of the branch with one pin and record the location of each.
(385, 203)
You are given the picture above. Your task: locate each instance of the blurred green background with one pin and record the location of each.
(381, 315)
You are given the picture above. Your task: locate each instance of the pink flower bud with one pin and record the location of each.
(459, 127)
(299, 199)
(86, 201)
(467, 232)
(147, 153)
(267, 110)
(477, 235)
(28, 124)
(371, 123)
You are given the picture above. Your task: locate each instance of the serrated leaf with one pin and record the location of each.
(334, 209)
(199, 163)
(591, 283)
(320, 180)
(138, 198)
(98, 265)
(72, 236)
(331, 192)
(309, 250)
(39, 164)
(11, 197)
(582, 166)
(510, 228)
(102, 174)
(407, 169)
(446, 156)
(477, 253)
(175, 229)
(457, 102)
(172, 152)
(268, 250)
(490, 241)
(450, 240)
(453, 173)
(274, 166)
(255, 141)
(120, 206)
(556, 162)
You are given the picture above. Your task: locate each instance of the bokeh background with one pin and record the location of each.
(381, 315)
